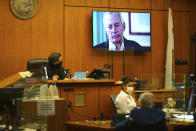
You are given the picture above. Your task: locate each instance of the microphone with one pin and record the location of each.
(68, 71)
(45, 70)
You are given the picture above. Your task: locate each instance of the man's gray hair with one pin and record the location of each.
(110, 13)
(146, 100)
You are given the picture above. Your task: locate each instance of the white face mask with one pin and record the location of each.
(129, 89)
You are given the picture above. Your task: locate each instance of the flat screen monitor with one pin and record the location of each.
(121, 31)
(11, 92)
(99, 73)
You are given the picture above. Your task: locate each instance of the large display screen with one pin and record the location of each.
(121, 31)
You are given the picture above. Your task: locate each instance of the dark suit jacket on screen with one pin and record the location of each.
(128, 44)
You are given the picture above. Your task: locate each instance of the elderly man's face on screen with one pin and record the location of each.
(114, 27)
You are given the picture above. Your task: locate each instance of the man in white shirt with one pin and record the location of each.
(115, 26)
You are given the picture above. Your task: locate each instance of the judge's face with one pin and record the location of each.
(114, 27)
(60, 60)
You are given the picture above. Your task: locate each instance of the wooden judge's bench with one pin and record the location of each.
(88, 99)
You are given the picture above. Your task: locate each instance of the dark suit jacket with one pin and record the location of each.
(144, 116)
(128, 44)
(147, 115)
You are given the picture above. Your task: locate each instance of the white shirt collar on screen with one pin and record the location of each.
(112, 47)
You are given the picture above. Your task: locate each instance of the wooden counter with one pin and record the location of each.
(106, 126)
(89, 126)
(84, 81)
(87, 99)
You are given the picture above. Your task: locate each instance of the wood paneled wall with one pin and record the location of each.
(36, 37)
(66, 26)
(78, 25)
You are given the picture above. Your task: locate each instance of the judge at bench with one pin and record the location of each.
(124, 101)
(55, 71)
(115, 26)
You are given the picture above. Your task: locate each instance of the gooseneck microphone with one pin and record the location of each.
(46, 74)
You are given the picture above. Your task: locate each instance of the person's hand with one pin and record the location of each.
(66, 79)
(55, 77)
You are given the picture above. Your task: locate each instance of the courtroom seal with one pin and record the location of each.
(24, 9)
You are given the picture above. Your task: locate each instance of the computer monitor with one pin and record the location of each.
(100, 73)
(7, 95)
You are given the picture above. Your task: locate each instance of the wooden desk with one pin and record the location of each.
(180, 127)
(89, 126)
(87, 99)
(106, 126)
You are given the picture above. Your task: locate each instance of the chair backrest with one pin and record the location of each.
(113, 99)
(36, 66)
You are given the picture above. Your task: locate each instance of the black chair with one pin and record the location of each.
(37, 66)
(113, 99)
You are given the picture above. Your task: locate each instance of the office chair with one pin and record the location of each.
(113, 99)
(37, 66)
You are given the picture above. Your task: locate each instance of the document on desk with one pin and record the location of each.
(45, 108)
(183, 116)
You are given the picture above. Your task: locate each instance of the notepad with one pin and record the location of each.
(190, 117)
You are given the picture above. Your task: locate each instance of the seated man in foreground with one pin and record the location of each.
(146, 115)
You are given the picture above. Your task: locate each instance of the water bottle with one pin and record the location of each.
(43, 92)
(53, 91)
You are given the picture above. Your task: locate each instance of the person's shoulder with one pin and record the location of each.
(157, 112)
(102, 45)
(160, 111)
(150, 111)
(144, 110)
(62, 68)
(48, 65)
(121, 95)
(131, 43)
